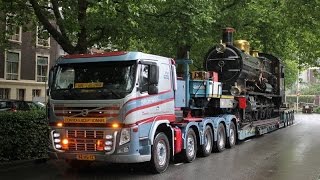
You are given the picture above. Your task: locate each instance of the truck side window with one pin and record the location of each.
(144, 78)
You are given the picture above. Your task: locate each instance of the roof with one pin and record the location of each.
(108, 56)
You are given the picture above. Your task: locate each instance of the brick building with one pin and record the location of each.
(25, 64)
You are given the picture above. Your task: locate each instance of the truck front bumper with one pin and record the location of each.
(128, 158)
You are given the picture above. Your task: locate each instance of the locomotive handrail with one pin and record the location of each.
(225, 59)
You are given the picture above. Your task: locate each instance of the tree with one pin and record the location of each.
(170, 28)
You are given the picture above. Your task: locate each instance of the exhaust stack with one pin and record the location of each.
(227, 35)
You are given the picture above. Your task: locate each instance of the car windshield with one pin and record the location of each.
(102, 80)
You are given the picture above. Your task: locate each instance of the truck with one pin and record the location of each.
(132, 107)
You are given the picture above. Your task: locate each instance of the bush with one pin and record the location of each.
(317, 110)
(302, 98)
(24, 135)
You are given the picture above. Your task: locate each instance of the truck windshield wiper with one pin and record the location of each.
(72, 92)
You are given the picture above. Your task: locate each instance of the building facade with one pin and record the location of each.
(25, 64)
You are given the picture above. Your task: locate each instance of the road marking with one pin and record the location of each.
(247, 140)
(178, 164)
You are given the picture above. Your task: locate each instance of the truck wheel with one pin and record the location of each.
(232, 136)
(160, 153)
(189, 154)
(220, 144)
(206, 148)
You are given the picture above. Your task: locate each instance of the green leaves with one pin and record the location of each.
(287, 29)
(24, 135)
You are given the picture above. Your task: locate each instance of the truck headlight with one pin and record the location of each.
(125, 136)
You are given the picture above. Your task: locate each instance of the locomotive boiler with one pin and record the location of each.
(256, 76)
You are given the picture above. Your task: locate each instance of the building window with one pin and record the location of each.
(36, 92)
(21, 94)
(42, 68)
(43, 38)
(14, 31)
(12, 65)
(4, 93)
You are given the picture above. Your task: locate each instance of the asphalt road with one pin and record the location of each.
(292, 153)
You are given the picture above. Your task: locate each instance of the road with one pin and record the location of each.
(292, 153)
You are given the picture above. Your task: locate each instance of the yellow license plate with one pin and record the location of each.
(86, 157)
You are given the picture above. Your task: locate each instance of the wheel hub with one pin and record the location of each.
(162, 153)
(190, 146)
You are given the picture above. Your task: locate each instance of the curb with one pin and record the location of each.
(10, 165)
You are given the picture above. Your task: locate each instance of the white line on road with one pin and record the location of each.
(178, 164)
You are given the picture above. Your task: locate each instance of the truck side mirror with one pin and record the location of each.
(50, 79)
(154, 75)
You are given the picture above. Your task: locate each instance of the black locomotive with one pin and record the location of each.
(258, 77)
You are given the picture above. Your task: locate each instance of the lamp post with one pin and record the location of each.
(298, 89)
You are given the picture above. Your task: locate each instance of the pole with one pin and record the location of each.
(298, 93)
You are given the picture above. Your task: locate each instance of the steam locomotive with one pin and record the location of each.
(257, 77)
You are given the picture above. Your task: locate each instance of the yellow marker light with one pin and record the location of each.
(100, 145)
(115, 125)
(60, 124)
(65, 141)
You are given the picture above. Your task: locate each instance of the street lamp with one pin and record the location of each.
(298, 85)
(298, 90)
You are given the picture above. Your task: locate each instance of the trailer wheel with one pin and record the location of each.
(220, 144)
(190, 153)
(160, 153)
(206, 148)
(232, 135)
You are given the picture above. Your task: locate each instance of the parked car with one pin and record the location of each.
(19, 105)
(307, 108)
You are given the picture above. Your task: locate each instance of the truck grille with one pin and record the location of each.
(84, 140)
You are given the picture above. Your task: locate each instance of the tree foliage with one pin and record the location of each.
(287, 29)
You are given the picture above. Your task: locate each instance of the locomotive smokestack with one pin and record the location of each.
(227, 35)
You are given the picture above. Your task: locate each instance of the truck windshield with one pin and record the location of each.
(92, 81)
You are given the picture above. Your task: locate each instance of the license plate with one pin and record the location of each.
(86, 157)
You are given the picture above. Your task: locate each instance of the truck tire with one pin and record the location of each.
(160, 154)
(220, 144)
(190, 153)
(206, 147)
(232, 135)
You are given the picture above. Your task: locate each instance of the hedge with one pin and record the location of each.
(302, 98)
(23, 135)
